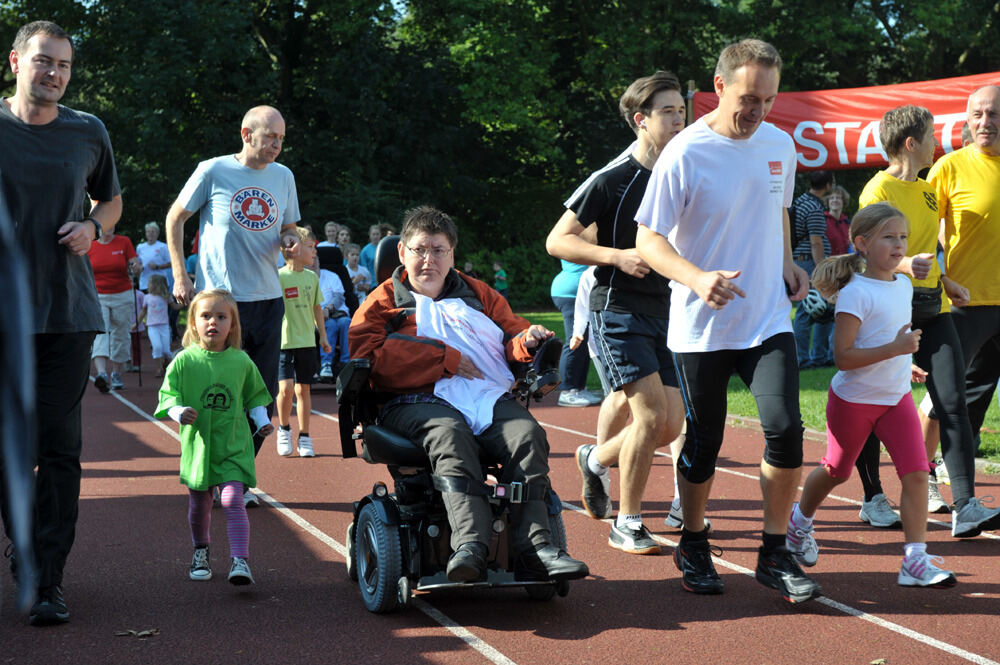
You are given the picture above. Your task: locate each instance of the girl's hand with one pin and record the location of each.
(907, 342)
(574, 342)
(188, 416)
(266, 430)
(917, 375)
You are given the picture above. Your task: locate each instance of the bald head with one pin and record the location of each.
(984, 119)
(259, 116)
(263, 134)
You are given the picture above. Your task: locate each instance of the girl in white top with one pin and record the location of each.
(871, 393)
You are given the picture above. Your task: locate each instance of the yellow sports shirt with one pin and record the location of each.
(918, 201)
(968, 195)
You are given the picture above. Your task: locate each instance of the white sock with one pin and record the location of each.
(913, 550)
(594, 465)
(634, 521)
(800, 520)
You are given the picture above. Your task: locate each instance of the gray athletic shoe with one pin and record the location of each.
(974, 518)
(878, 512)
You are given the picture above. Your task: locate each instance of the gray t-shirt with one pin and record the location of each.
(242, 212)
(47, 172)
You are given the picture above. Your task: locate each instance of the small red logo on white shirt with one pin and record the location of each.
(775, 168)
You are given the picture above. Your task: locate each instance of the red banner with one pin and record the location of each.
(838, 129)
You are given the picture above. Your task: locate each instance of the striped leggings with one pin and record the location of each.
(237, 524)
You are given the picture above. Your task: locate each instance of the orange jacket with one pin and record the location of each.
(384, 330)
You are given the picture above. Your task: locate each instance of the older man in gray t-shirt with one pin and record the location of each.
(248, 207)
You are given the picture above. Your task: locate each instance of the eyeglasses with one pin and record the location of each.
(434, 252)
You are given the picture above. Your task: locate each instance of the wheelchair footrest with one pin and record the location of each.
(494, 578)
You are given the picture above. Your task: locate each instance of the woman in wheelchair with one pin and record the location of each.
(441, 343)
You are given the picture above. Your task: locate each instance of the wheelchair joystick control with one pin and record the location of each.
(434, 531)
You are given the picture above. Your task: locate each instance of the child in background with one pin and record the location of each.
(298, 362)
(360, 277)
(156, 312)
(338, 319)
(208, 389)
(871, 392)
(500, 278)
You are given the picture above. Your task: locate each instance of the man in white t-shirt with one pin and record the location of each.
(714, 220)
(248, 208)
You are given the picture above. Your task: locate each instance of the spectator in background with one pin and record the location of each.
(330, 230)
(574, 362)
(812, 339)
(155, 258)
(360, 277)
(837, 223)
(470, 271)
(114, 261)
(337, 319)
(499, 278)
(343, 237)
(368, 251)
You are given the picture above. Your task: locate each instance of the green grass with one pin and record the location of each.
(813, 386)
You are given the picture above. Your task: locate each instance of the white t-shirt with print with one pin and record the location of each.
(719, 202)
(242, 212)
(884, 308)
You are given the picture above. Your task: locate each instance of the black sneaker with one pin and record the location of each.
(50, 608)
(595, 497)
(694, 560)
(633, 541)
(780, 571)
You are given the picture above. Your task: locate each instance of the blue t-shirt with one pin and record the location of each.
(242, 212)
(564, 284)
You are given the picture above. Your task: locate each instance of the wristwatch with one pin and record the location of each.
(97, 226)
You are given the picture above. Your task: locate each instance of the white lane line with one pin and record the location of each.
(456, 629)
(829, 602)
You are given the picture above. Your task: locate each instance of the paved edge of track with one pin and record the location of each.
(494, 655)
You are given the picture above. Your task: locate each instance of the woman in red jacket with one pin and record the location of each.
(114, 261)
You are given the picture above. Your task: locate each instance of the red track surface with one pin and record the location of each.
(128, 571)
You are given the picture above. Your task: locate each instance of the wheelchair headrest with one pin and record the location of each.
(386, 258)
(329, 257)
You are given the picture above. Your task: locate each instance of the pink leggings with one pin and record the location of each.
(237, 524)
(848, 425)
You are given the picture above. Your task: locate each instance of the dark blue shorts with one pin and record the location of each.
(632, 346)
(300, 365)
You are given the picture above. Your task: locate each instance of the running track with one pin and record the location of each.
(128, 572)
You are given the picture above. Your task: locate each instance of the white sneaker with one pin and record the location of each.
(573, 398)
(201, 570)
(941, 472)
(239, 573)
(306, 446)
(284, 441)
(935, 503)
(675, 518)
(922, 571)
(250, 499)
(974, 518)
(878, 512)
(802, 544)
(326, 371)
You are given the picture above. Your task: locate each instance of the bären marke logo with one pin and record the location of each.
(254, 209)
(775, 168)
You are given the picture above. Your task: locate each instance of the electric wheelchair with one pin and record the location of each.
(399, 539)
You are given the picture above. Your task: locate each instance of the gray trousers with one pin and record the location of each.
(515, 440)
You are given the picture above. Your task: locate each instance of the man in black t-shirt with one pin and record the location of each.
(629, 307)
(49, 155)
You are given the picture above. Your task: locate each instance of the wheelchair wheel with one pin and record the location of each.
(557, 536)
(378, 561)
(352, 567)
